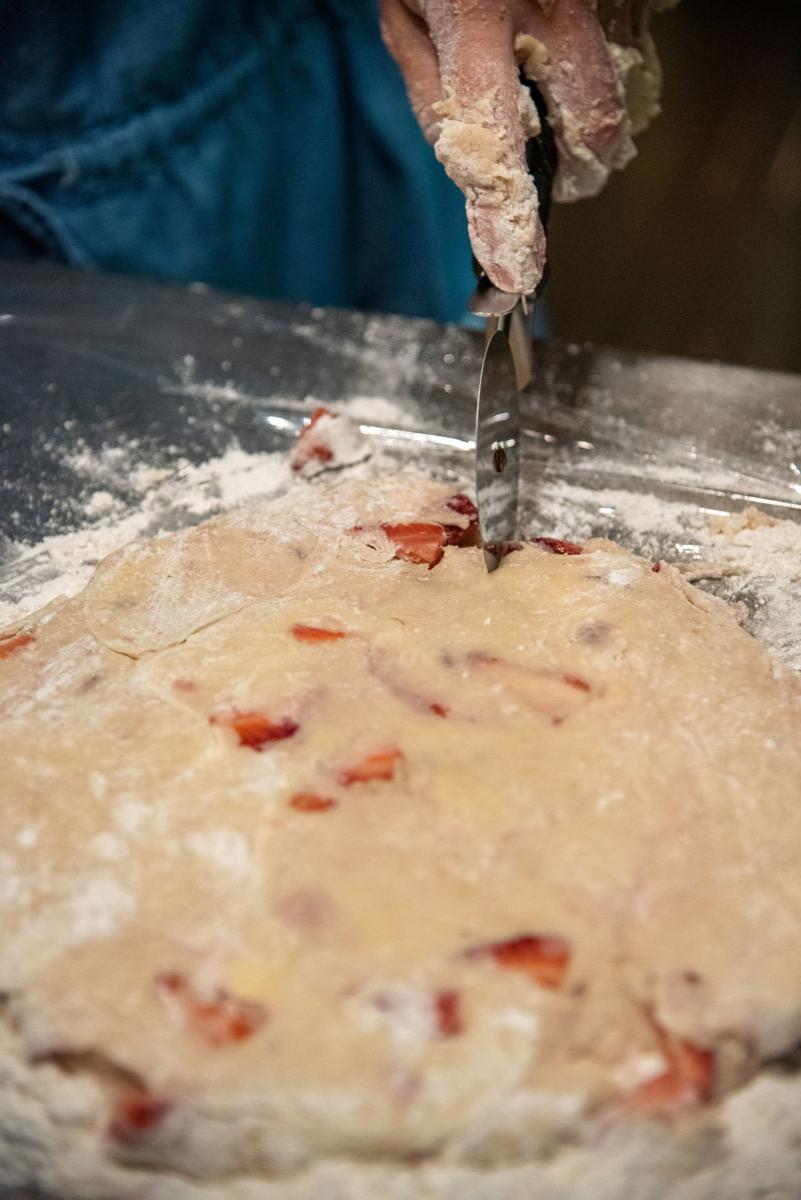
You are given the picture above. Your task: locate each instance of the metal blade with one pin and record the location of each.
(489, 301)
(497, 449)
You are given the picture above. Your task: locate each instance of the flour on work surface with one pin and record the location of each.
(739, 557)
(162, 499)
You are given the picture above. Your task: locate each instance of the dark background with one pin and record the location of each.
(696, 248)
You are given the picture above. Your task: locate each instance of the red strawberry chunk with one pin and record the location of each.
(220, 1019)
(255, 729)
(13, 645)
(310, 444)
(545, 958)
(463, 505)
(455, 535)
(417, 542)
(556, 695)
(448, 1011)
(557, 546)
(575, 681)
(320, 411)
(184, 685)
(696, 1066)
(137, 1114)
(313, 633)
(391, 676)
(311, 802)
(656, 567)
(379, 765)
(688, 1081)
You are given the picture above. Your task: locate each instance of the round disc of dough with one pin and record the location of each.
(317, 860)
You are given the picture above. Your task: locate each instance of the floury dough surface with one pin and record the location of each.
(452, 905)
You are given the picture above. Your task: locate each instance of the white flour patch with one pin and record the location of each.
(376, 410)
(61, 565)
(624, 576)
(225, 849)
(99, 908)
(101, 502)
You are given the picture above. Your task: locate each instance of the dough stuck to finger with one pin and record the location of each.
(639, 72)
(486, 117)
(501, 199)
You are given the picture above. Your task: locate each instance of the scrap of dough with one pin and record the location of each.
(697, 568)
(579, 748)
(747, 518)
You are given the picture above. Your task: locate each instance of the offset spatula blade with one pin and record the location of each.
(497, 449)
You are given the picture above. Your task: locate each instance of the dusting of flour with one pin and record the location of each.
(165, 499)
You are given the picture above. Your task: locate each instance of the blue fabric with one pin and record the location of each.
(263, 147)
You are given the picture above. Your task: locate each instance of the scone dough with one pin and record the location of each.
(417, 903)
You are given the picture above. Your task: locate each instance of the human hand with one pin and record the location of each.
(596, 68)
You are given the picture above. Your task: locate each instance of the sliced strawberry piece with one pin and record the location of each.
(13, 645)
(557, 546)
(379, 765)
(137, 1114)
(448, 1011)
(462, 505)
(310, 444)
(314, 633)
(545, 958)
(575, 681)
(456, 535)
(311, 802)
(220, 1019)
(184, 685)
(556, 695)
(390, 674)
(417, 542)
(656, 567)
(255, 729)
(696, 1066)
(688, 1082)
(320, 411)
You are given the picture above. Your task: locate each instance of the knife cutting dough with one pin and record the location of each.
(335, 865)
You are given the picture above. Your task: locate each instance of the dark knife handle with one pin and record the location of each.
(542, 157)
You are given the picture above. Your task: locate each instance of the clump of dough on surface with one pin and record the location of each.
(748, 518)
(329, 440)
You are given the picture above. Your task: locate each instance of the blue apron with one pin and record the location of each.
(264, 147)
